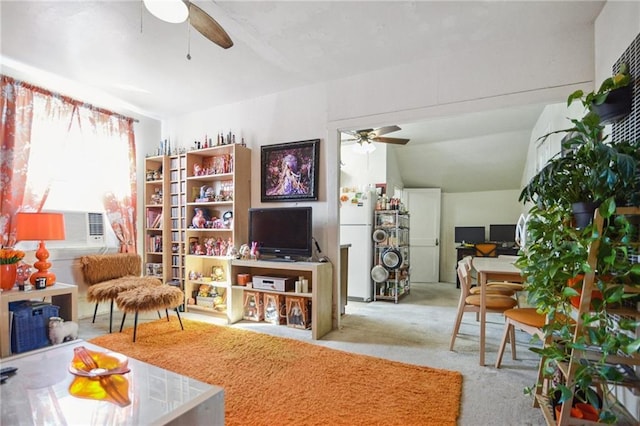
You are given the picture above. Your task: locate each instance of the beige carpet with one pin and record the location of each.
(277, 381)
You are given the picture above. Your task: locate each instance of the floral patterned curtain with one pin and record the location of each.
(119, 203)
(17, 114)
(111, 139)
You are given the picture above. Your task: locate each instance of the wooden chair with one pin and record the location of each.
(525, 319)
(494, 287)
(471, 302)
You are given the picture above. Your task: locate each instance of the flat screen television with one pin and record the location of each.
(502, 233)
(469, 234)
(283, 232)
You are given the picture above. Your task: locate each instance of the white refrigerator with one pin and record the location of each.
(356, 227)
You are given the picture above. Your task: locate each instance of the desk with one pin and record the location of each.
(492, 269)
(63, 295)
(39, 394)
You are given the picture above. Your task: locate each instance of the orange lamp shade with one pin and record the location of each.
(40, 227)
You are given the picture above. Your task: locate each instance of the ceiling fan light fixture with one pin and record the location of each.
(364, 147)
(172, 11)
(370, 147)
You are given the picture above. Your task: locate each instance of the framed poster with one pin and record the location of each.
(290, 171)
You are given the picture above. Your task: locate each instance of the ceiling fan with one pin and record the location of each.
(176, 11)
(364, 137)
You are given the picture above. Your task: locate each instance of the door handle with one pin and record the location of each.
(436, 242)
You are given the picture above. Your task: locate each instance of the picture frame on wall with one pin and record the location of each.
(289, 171)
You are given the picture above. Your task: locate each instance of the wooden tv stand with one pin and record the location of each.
(320, 283)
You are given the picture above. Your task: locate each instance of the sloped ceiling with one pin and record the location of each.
(119, 54)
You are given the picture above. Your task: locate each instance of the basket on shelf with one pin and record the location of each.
(30, 327)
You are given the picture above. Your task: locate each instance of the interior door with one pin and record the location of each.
(424, 233)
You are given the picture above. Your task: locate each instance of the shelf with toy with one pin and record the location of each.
(157, 220)
(320, 286)
(207, 285)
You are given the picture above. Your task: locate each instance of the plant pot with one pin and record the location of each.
(583, 213)
(575, 284)
(617, 105)
(580, 410)
(8, 275)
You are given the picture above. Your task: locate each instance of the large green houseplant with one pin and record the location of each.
(591, 168)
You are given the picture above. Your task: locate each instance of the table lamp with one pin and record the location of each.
(40, 227)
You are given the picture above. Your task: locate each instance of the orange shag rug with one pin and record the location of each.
(271, 380)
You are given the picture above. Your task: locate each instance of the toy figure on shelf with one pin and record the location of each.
(254, 250)
(209, 246)
(227, 219)
(222, 247)
(197, 169)
(206, 193)
(270, 312)
(251, 310)
(231, 249)
(199, 218)
(23, 273)
(295, 316)
(156, 197)
(244, 252)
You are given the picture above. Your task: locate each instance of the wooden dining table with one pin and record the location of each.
(492, 269)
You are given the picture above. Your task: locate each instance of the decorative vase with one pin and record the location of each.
(8, 274)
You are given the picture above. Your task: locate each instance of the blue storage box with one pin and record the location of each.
(30, 328)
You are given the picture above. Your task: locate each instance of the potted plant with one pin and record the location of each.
(590, 168)
(554, 256)
(612, 101)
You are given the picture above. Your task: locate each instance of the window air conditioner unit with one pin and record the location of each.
(82, 229)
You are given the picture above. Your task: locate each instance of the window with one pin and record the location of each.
(62, 154)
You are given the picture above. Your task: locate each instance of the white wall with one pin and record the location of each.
(447, 82)
(554, 117)
(394, 179)
(380, 166)
(283, 117)
(616, 27)
(464, 81)
(472, 209)
(360, 170)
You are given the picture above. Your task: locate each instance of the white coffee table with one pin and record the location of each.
(39, 394)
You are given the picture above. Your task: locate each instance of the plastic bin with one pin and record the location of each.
(30, 329)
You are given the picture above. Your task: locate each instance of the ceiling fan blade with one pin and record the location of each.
(396, 141)
(387, 129)
(208, 27)
(350, 140)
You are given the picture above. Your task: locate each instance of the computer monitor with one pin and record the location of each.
(469, 234)
(502, 233)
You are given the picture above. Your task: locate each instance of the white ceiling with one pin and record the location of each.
(121, 56)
